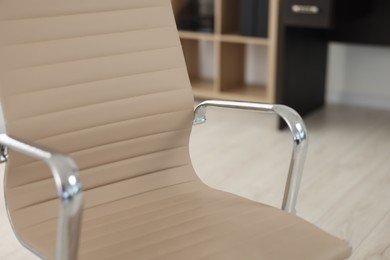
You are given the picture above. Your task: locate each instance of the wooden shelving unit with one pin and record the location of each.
(229, 55)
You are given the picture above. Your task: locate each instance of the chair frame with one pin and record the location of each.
(69, 187)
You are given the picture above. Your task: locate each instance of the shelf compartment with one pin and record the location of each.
(236, 80)
(245, 17)
(239, 67)
(229, 16)
(195, 15)
(200, 60)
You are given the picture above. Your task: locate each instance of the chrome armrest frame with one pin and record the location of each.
(299, 133)
(69, 189)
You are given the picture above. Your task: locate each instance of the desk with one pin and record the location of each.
(303, 43)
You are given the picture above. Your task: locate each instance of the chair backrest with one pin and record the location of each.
(102, 80)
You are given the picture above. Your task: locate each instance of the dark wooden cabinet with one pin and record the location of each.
(309, 13)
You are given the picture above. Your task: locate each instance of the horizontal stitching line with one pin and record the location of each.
(74, 152)
(91, 125)
(173, 200)
(85, 13)
(94, 35)
(129, 197)
(91, 57)
(97, 104)
(216, 211)
(96, 58)
(216, 236)
(104, 164)
(89, 35)
(187, 209)
(115, 200)
(105, 125)
(53, 199)
(137, 156)
(113, 123)
(89, 82)
(144, 174)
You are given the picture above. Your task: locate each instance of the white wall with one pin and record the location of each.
(358, 75)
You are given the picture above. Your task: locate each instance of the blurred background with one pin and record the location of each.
(327, 59)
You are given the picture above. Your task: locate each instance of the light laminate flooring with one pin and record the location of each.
(345, 188)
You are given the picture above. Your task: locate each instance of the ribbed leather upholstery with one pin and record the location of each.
(105, 81)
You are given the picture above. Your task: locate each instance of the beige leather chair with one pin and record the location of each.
(105, 82)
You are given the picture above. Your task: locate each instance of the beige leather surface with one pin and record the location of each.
(105, 81)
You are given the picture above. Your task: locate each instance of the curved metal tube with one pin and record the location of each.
(69, 188)
(299, 133)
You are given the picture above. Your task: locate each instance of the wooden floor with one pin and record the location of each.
(346, 184)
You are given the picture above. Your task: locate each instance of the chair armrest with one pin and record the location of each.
(69, 188)
(299, 133)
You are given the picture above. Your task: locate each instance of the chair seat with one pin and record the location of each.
(193, 221)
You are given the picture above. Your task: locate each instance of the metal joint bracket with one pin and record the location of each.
(297, 128)
(3, 153)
